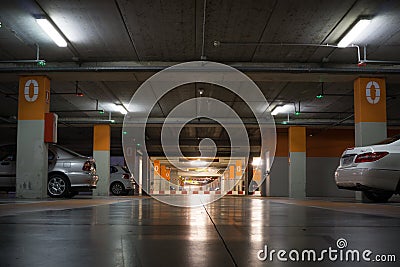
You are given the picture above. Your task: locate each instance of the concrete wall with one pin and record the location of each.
(279, 177)
(321, 178)
(324, 149)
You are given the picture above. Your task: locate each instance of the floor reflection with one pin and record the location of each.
(145, 232)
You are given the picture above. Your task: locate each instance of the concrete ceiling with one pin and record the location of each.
(113, 46)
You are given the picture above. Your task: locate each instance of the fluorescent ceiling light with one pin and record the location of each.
(256, 161)
(122, 109)
(354, 32)
(282, 109)
(52, 32)
(198, 163)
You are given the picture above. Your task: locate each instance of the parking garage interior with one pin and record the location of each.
(265, 99)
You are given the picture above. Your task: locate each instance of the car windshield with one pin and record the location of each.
(389, 140)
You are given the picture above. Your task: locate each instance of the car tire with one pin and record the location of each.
(58, 185)
(117, 189)
(378, 196)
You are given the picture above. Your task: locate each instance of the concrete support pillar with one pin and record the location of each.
(138, 171)
(248, 175)
(32, 165)
(266, 168)
(297, 162)
(101, 154)
(369, 113)
(146, 174)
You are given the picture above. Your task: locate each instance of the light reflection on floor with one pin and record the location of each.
(140, 231)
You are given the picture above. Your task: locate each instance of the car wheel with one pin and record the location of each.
(378, 196)
(58, 186)
(117, 189)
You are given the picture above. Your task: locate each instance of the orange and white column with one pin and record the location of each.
(297, 162)
(101, 154)
(31, 164)
(369, 112)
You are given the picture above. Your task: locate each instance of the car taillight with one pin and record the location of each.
(126, 176)
(370, 156)
(87, 166)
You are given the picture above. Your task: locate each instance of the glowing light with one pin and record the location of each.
(52, 32)
(354, 32)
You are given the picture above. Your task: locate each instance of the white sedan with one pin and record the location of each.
(374, 169)
(121, 180)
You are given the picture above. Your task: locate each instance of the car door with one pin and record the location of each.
(7, 170)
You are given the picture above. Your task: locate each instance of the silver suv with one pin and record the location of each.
(69, 172)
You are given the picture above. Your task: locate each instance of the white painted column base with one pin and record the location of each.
(102, 158)
(297, 175)
(31, 168)
(368, 133)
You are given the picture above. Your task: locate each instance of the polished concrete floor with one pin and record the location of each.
(140, 231)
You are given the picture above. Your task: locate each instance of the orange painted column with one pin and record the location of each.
(369, 110)
(369, 113)
(297, 162)
(31, 164)
(101, 154)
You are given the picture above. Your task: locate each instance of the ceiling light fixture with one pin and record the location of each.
(282, 109)
(198, 163)
(121, 108)
(52, 32)
(351, 35)
(256, 161)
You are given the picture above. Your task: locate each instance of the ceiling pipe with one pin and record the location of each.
(8, 120)
(80, 110)
(360, 63)
(118, 122)
(218, 43)
(203, 56)
(38, 61)
(364, 61)
(248, 68)
(73, 120)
